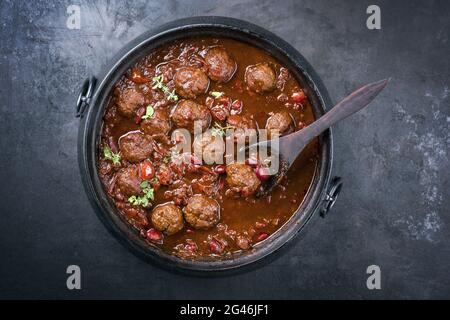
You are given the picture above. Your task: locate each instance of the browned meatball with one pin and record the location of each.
(135, 146)
(128, 181)
(167, 218)
(186, 112)
(190, 82)
(129, 101)
(242, 125)
(280, 121)
(159, 123)
(260, 78)
(221, 67)
(242, 179)
(202, 212)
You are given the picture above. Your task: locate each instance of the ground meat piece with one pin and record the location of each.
(221, 66)
(208, 184)
(190, 82)
(135, 146)
(283, 77)
(242, 242)
(167, 218)
(165, 175)
(245, 127)
(242, 179)
(136, 216)
(128, 181)
(129, 101)
(202, 212)
(210, 147)
(179, 192)
(281, 121)
(157, 124)
(260, 78)
(187, 112)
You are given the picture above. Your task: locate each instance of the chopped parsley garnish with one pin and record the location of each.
(148, 112)
(109, 155)
(216, 94)
(218, 131)
(158, 83)
(145, 199)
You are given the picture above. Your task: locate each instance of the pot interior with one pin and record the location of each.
(140, 48)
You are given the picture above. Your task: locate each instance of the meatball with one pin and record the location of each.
(242, 179)
(280, 121)
(128, 181)
(135, 146)
(245, 127)
(190, 82)
(167, 218)
(187, 112)
(221, 67)
(202, 212)
(260, 78)
(211, 148)
(159, 123)
(129, 101)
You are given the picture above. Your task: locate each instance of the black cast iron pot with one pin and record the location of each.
(91, 105)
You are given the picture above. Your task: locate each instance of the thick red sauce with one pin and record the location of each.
(244, 219)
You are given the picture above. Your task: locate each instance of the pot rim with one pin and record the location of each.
(89, 136)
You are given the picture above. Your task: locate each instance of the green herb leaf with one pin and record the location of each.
(218, 131)
(109, 155)
(144, 184)
(216, 94)
(149, 112)
(158, 83)
(149, 195)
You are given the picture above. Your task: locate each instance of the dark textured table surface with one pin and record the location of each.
(393, 156)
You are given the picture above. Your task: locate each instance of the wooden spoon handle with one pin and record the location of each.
(350, 105)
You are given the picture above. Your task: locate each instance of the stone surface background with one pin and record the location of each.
(393, 156)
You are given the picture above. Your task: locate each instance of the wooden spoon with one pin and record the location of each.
(291, 145)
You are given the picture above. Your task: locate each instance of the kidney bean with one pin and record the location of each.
(139, 114)
(220, 169)
(262, 173)
(262, 236)
(236, 107)
(154, 235)
(215, 246)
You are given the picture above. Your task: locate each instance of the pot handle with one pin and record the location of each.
(332, 194)
(85, 95)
